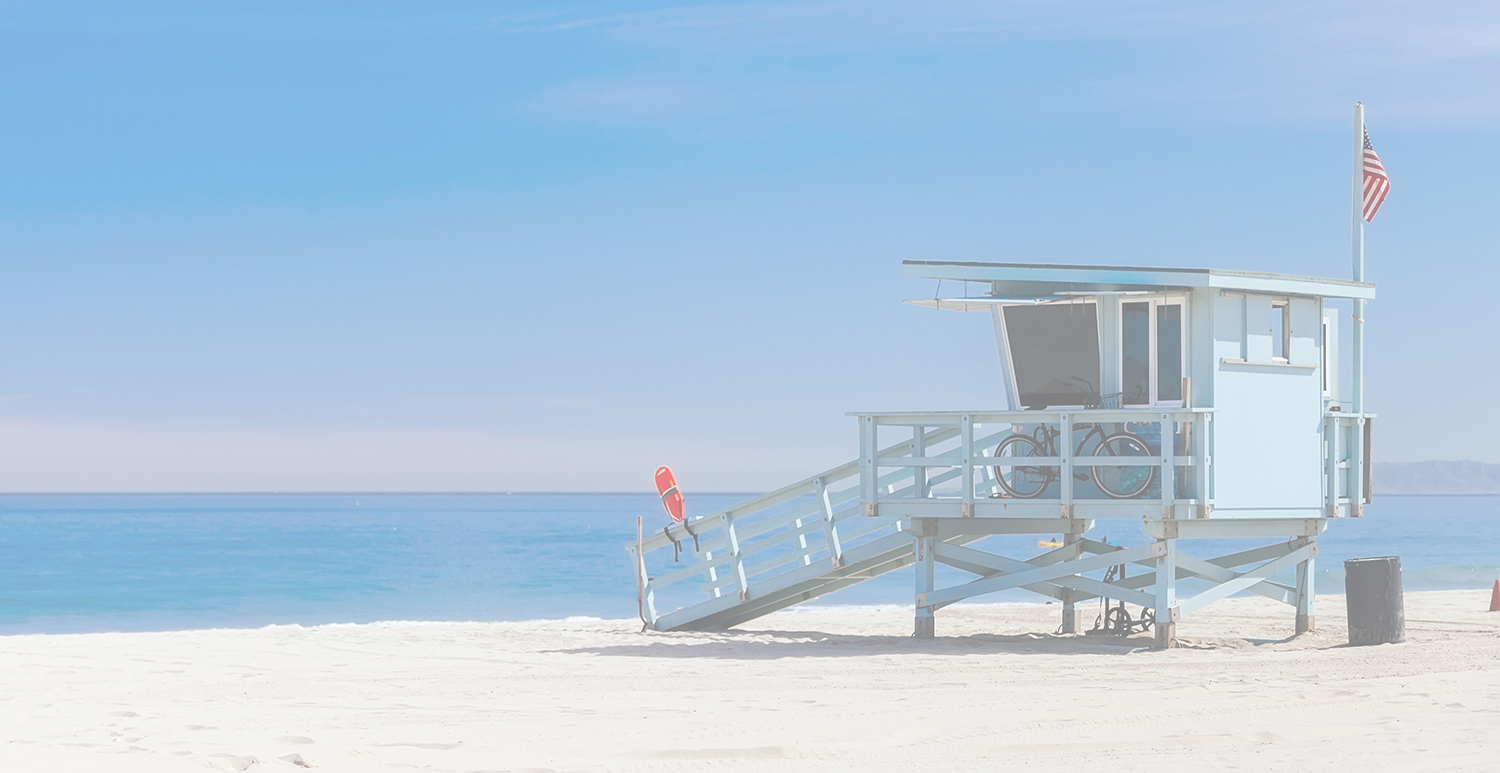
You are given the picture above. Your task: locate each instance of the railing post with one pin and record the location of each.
(1331, 431)
(736, 561)
(1065, 442)
(919, 450)
(830, 529)
(1357, 469)
(1167, 447)
(868, 470)
(648, 594)
(966, 453)
(1202, 428)
(802, 542)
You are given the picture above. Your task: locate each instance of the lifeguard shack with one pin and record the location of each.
(1204, 403)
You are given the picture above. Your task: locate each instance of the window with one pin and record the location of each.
(1135, 345)
(1330, 357)
(1169, 352)
(1151, 352)
(1054, 351)
(1281, 330)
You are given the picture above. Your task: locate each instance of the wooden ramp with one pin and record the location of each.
(783, 548)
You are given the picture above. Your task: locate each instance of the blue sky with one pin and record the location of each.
(548, 246)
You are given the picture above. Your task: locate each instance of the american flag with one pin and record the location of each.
(1377, 185)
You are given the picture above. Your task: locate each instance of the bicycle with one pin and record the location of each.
(1116, 482)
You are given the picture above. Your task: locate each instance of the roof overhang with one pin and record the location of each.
(1043, 279)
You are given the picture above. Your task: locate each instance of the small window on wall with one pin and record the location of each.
(1151, 352)
(1281, 330)
(1327, 382)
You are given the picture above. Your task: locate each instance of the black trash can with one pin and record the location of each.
(1372, 592)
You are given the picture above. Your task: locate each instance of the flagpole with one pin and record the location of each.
(1358, 395)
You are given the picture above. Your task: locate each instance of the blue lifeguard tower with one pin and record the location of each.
(1204, 403)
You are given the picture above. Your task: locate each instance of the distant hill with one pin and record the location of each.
(1436, 478)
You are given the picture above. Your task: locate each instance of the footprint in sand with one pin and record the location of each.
(238, 762)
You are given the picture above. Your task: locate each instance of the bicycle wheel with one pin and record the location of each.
(1015, 477)
(1123, 482)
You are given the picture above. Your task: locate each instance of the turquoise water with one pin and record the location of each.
(162, 562)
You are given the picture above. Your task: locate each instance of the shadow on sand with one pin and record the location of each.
(770, 645)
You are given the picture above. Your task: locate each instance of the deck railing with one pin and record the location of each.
(960, 446)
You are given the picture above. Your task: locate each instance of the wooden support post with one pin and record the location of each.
(1072, 617)
(1166, 594)
(1306, 593)
(926, 560)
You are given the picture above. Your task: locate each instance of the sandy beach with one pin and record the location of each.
(828, 689)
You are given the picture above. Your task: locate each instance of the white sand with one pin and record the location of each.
(802, 690)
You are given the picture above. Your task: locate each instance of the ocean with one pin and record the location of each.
(84, 563)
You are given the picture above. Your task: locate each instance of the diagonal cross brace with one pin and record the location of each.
(990, 565)
(1213, 569)
(1216, 573)
(1037, 574)
(1245, 580)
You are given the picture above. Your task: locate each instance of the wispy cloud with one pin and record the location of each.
(1431, 63)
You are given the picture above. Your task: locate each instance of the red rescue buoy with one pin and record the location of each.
(671, 497)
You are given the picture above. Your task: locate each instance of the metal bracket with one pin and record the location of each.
(1067, 511)
(966, 510)
(870, 510)
(1204, 511)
